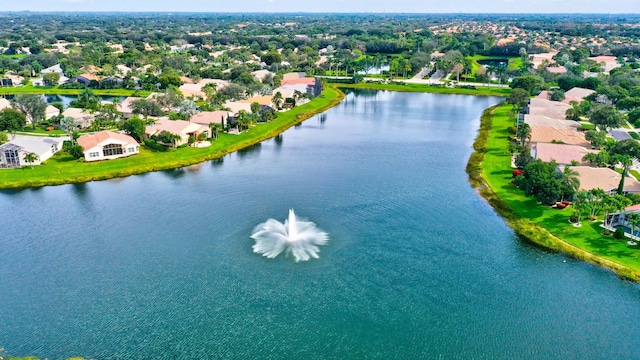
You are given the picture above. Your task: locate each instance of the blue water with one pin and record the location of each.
(418, 265)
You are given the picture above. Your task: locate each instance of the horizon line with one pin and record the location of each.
(302, 12)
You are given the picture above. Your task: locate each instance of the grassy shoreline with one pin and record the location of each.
(409, 87)
(490, 173)
(63, 169)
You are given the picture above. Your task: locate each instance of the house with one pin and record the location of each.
(313, 85)
(236, 106)
(621, 219)
(12, 153)
(51, 111)
(4, 103)
(605, 179)
(541, 120)
(552, 109)
(125, 107)
(260, 75)
(210, 117)
(179, 127)
(562, 154)
(83, 118)
(53, 69)
(548, 134)
(556, 70)
(265, 100)
(608, 62)
(107, 145)
(576, 94)
(191, 90)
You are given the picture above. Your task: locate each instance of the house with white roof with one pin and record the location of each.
(12, 153)
(107, 145)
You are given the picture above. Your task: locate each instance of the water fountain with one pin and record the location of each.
(296, 237)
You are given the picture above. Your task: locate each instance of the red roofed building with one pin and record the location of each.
(314, 85)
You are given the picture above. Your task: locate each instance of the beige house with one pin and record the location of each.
(210, 117)
(107, 145)
(605, 179)
(562, 154)
(541, 120)
(545, 134)
(82, 116)
(179, 127)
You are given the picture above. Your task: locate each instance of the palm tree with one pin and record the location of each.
(633, 219)
(30, 158)
(215, 130)
(626, 162)
(570, 181)
(277, 100)
(524, 133)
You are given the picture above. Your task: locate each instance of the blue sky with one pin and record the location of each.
(413, 6)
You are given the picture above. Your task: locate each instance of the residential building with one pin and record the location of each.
(107, 145)
(605, 179)
(12, 153)
(562, 154)
(179, 127)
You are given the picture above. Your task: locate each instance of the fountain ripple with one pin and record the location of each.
(296, 237)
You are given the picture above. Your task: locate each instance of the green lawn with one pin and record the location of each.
(14, 56)
(480, 90)
(62, 168)
(496, 171)
(52, 90)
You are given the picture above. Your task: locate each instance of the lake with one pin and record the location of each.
(67, 99)
(417, 266)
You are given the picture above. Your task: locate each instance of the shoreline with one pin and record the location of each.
(82, 172)
(526, 228)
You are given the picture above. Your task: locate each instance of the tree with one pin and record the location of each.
(51, 79)
(209, 90)
(215, 130)
(598, 139)
(570, 181)
(272, 57)
(255, 107)
(457, 69)
(170, 99)
(605, 117)
(556, 95)
(146, 108)
(165, 137)
(188, 108)
(523, 133)
(135, 127)
(633, 219)
(625, 161)
(277, 100)
(518, 98)
(69, 125)
(523, 159)
(32, 106)
(532, 84)
(30, 158)
(3, 138)
(76, 151)
(12, 120)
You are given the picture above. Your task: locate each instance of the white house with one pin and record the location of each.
(12, 153)
(107, 145)
(84, 118)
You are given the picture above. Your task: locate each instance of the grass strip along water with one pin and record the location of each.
(62, 168)
(409, 87)
(489, 170)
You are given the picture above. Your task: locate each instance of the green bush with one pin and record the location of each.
(154, 145)
(619, 233)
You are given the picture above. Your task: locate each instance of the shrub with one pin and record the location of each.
(151, 144)
(76, 151)
(619, 233)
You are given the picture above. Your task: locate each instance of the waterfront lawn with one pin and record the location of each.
(497, 173)
(63, 169)
(408, 87)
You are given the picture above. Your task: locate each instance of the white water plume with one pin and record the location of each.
(296, 237)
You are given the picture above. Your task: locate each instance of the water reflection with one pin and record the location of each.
(250, 151)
